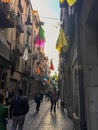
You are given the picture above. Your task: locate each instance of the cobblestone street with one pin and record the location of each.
(57, 121)
(44, 120)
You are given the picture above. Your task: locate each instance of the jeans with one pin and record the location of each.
(53, 106)
(37, 106)
(7, 101)
(18, 121)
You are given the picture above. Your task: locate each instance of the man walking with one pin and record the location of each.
(53, 100)
(18, 109)
(37, 99)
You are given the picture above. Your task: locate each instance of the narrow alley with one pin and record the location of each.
(48, 48)
(44, 120)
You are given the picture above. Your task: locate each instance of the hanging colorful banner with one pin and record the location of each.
(62, 41)
(51, 65)
(5, 1)
(25, 55)
(71, 2)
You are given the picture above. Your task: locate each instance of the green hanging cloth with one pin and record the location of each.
(41, 33)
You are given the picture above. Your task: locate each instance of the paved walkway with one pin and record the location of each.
(44, 120)
(55, 121)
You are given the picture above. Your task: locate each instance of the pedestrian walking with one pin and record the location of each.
(12, 94)
(18, 109)
(53, 100)
(42, 95)
(3, 113)
(58, 96)
(37, 99)
(47, 94)
(62, 104)
(7, 96)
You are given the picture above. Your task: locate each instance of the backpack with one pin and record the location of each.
(37, 98)
(54, 97)
(25, 105)
(21, 105)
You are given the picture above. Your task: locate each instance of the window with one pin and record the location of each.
(71, 10)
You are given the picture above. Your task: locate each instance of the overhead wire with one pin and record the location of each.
(54, 25)
(52, 18)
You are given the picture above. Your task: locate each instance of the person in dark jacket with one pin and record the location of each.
(18, 109)
(53, 100)
(37, 99)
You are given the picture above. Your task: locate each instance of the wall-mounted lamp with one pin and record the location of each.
(38, 24)
(28, 19)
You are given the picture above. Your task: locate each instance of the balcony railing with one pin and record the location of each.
(28, 2)
(7, 15)
(26, 70)
(20, 6)
(35, 56)
(19, 24)
(29, 31)
(19, 48)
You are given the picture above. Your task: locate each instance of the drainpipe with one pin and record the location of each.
(80, 75)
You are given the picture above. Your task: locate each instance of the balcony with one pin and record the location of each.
(20, 6)
(26, 70)
(35, 56)
(19, 48)
(28, 2)
(7, 16)
(29, 31)
(19, 24)
(16, 52)
(36, 77)
(26, 73)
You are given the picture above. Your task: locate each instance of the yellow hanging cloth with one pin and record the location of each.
(71, 2)
(62, 41)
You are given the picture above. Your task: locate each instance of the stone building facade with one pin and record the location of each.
(18, 29)
(81, 65)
